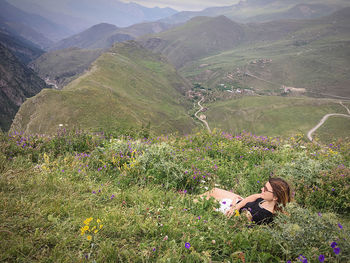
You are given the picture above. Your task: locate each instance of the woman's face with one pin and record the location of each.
(267, 192)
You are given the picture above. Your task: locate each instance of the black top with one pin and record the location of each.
(259, 215)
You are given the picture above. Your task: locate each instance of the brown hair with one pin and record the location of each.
(281, 190)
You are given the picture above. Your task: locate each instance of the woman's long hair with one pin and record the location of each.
(282, 191)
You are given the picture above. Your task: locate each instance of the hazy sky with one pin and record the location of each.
(184, 5)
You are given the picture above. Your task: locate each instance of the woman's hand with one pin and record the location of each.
(231, 211)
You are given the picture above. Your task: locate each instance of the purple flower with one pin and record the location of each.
(336, 250)
(62, 170)
(187, 245)
(112, 196)
(334, 244)
(154, 249)
(289, 261)
(340, 226)
(333, 189)
(319, 214)
(94, 192)
(321, 258)
(199, 218)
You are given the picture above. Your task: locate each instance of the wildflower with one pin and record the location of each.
(112, 196)
(62, 170)
(340, 226)
(334, 244)
(237, 213)
(165, 238)
(319, 214)
(89, 237)
(154, 249)
(336, 250)
(101, 226)
(199, 218)
(187, 245)
(321, 258)
(87, 220)
(213, 241)
(98, 221)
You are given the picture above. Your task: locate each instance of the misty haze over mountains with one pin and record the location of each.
(65, 42)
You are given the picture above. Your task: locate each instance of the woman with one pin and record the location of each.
(261, 207)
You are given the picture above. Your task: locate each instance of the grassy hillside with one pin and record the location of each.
(126, 87)
(310, 54)
(211, 35)
(78, 197)
(274, 116)
(262, 11)
(62, 66)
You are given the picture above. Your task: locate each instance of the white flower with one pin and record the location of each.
(60, 125)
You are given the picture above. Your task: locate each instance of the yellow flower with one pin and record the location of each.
(89, 237)
(88, 220)
(93, 228)
(86, 228)
(101, 226)
(95, 231)
(98, 221)
(237, 213)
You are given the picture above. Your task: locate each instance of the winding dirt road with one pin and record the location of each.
(201, 108)
(322, 121)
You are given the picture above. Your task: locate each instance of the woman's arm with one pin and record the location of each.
(241, 204)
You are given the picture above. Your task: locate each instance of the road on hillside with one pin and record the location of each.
(309, 134)
(201, 108)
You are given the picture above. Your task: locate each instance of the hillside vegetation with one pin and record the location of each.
(77, 197)
(126, 87)
(262, 11)
(62, 66)
(311, 54)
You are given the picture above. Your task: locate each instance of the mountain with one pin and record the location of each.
(94, 37)
(60, 67)
(211, 35)
(23, 49)
(105, 35)
(126, 87)
(78, 15)
(264, 10)
(35, 28)
(17, 83)
(312, 55)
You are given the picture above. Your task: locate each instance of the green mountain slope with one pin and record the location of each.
(267, 10)
(62, 66)
(198, 37)
(126, 87)
(104, 35)
(310, 54)
(271, 115)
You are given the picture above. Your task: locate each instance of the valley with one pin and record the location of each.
(115, 115)
(295, 70)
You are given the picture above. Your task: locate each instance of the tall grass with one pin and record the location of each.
(138, 194)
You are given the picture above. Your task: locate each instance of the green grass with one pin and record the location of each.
(334, 128)
(127, 87)
(273, 116)
(136, 188)
(63, 66)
